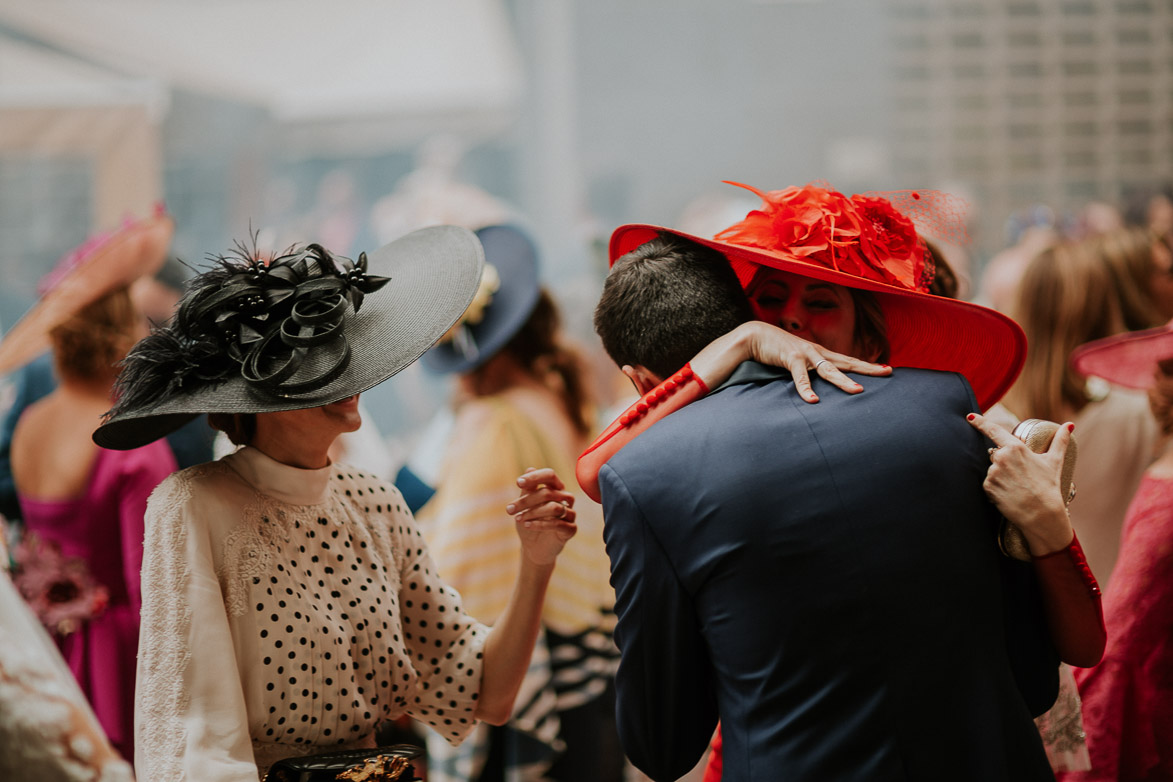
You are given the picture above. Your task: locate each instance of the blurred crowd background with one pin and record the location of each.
(352, 122)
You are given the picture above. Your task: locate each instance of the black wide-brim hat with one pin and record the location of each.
(432, 275)
(513, 254)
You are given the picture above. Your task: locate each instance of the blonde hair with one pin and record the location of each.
(90, 344)
(1067, 296)
(1128, 254)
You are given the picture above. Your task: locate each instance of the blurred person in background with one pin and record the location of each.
(521, 402)
(1151, 208)
(154, 298)
(1073, 293)
(1128, 697)
(1030, 232)
(1141, 263)
(85, 501)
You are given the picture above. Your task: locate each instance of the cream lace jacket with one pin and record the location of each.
(286, 612)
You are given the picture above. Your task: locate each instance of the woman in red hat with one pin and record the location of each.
(851, 274)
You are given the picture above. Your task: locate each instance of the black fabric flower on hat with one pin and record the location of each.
(262, 321)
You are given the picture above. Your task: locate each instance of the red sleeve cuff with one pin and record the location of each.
(674, 393)
(1074, 554)
(1075, 613)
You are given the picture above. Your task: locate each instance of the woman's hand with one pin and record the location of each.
(1025, 486)
(776, 347)
(544, 514)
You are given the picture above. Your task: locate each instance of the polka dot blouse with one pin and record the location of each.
(289, 611)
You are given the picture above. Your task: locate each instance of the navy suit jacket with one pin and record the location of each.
(825, 579)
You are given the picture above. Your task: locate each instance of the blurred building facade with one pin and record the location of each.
(1056, 102)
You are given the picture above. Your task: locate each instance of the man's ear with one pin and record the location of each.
(641, 377)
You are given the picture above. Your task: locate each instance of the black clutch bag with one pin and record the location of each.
(379, 764)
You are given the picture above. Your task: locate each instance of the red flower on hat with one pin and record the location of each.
(862, 236)
(890, 243)
(805, 222)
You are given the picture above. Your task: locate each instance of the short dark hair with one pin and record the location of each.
(665, 300)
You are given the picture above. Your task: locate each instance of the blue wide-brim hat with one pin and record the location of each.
(513, 254)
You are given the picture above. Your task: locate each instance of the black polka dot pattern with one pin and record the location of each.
(354, 627)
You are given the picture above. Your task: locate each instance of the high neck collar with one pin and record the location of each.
(292, 485)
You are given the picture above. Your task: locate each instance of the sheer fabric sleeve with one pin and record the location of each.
(190, 717)
(445, 643)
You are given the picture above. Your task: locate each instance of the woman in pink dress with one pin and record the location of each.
(1128, 697)
(86, 502)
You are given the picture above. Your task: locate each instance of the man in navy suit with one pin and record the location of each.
(823, 578)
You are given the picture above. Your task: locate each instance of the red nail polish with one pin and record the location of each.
(1071, 427)
(970, 417)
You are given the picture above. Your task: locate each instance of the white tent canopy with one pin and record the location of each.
(36, 77)
(346, 77)
(304, 60)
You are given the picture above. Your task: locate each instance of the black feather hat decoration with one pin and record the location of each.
(305, 329)
(256, 319)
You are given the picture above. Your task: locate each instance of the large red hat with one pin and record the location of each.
(865, 242)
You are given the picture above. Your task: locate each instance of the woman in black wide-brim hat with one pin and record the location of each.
(289, 604)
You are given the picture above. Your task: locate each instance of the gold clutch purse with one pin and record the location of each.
(378, 764)
(1037, 434)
